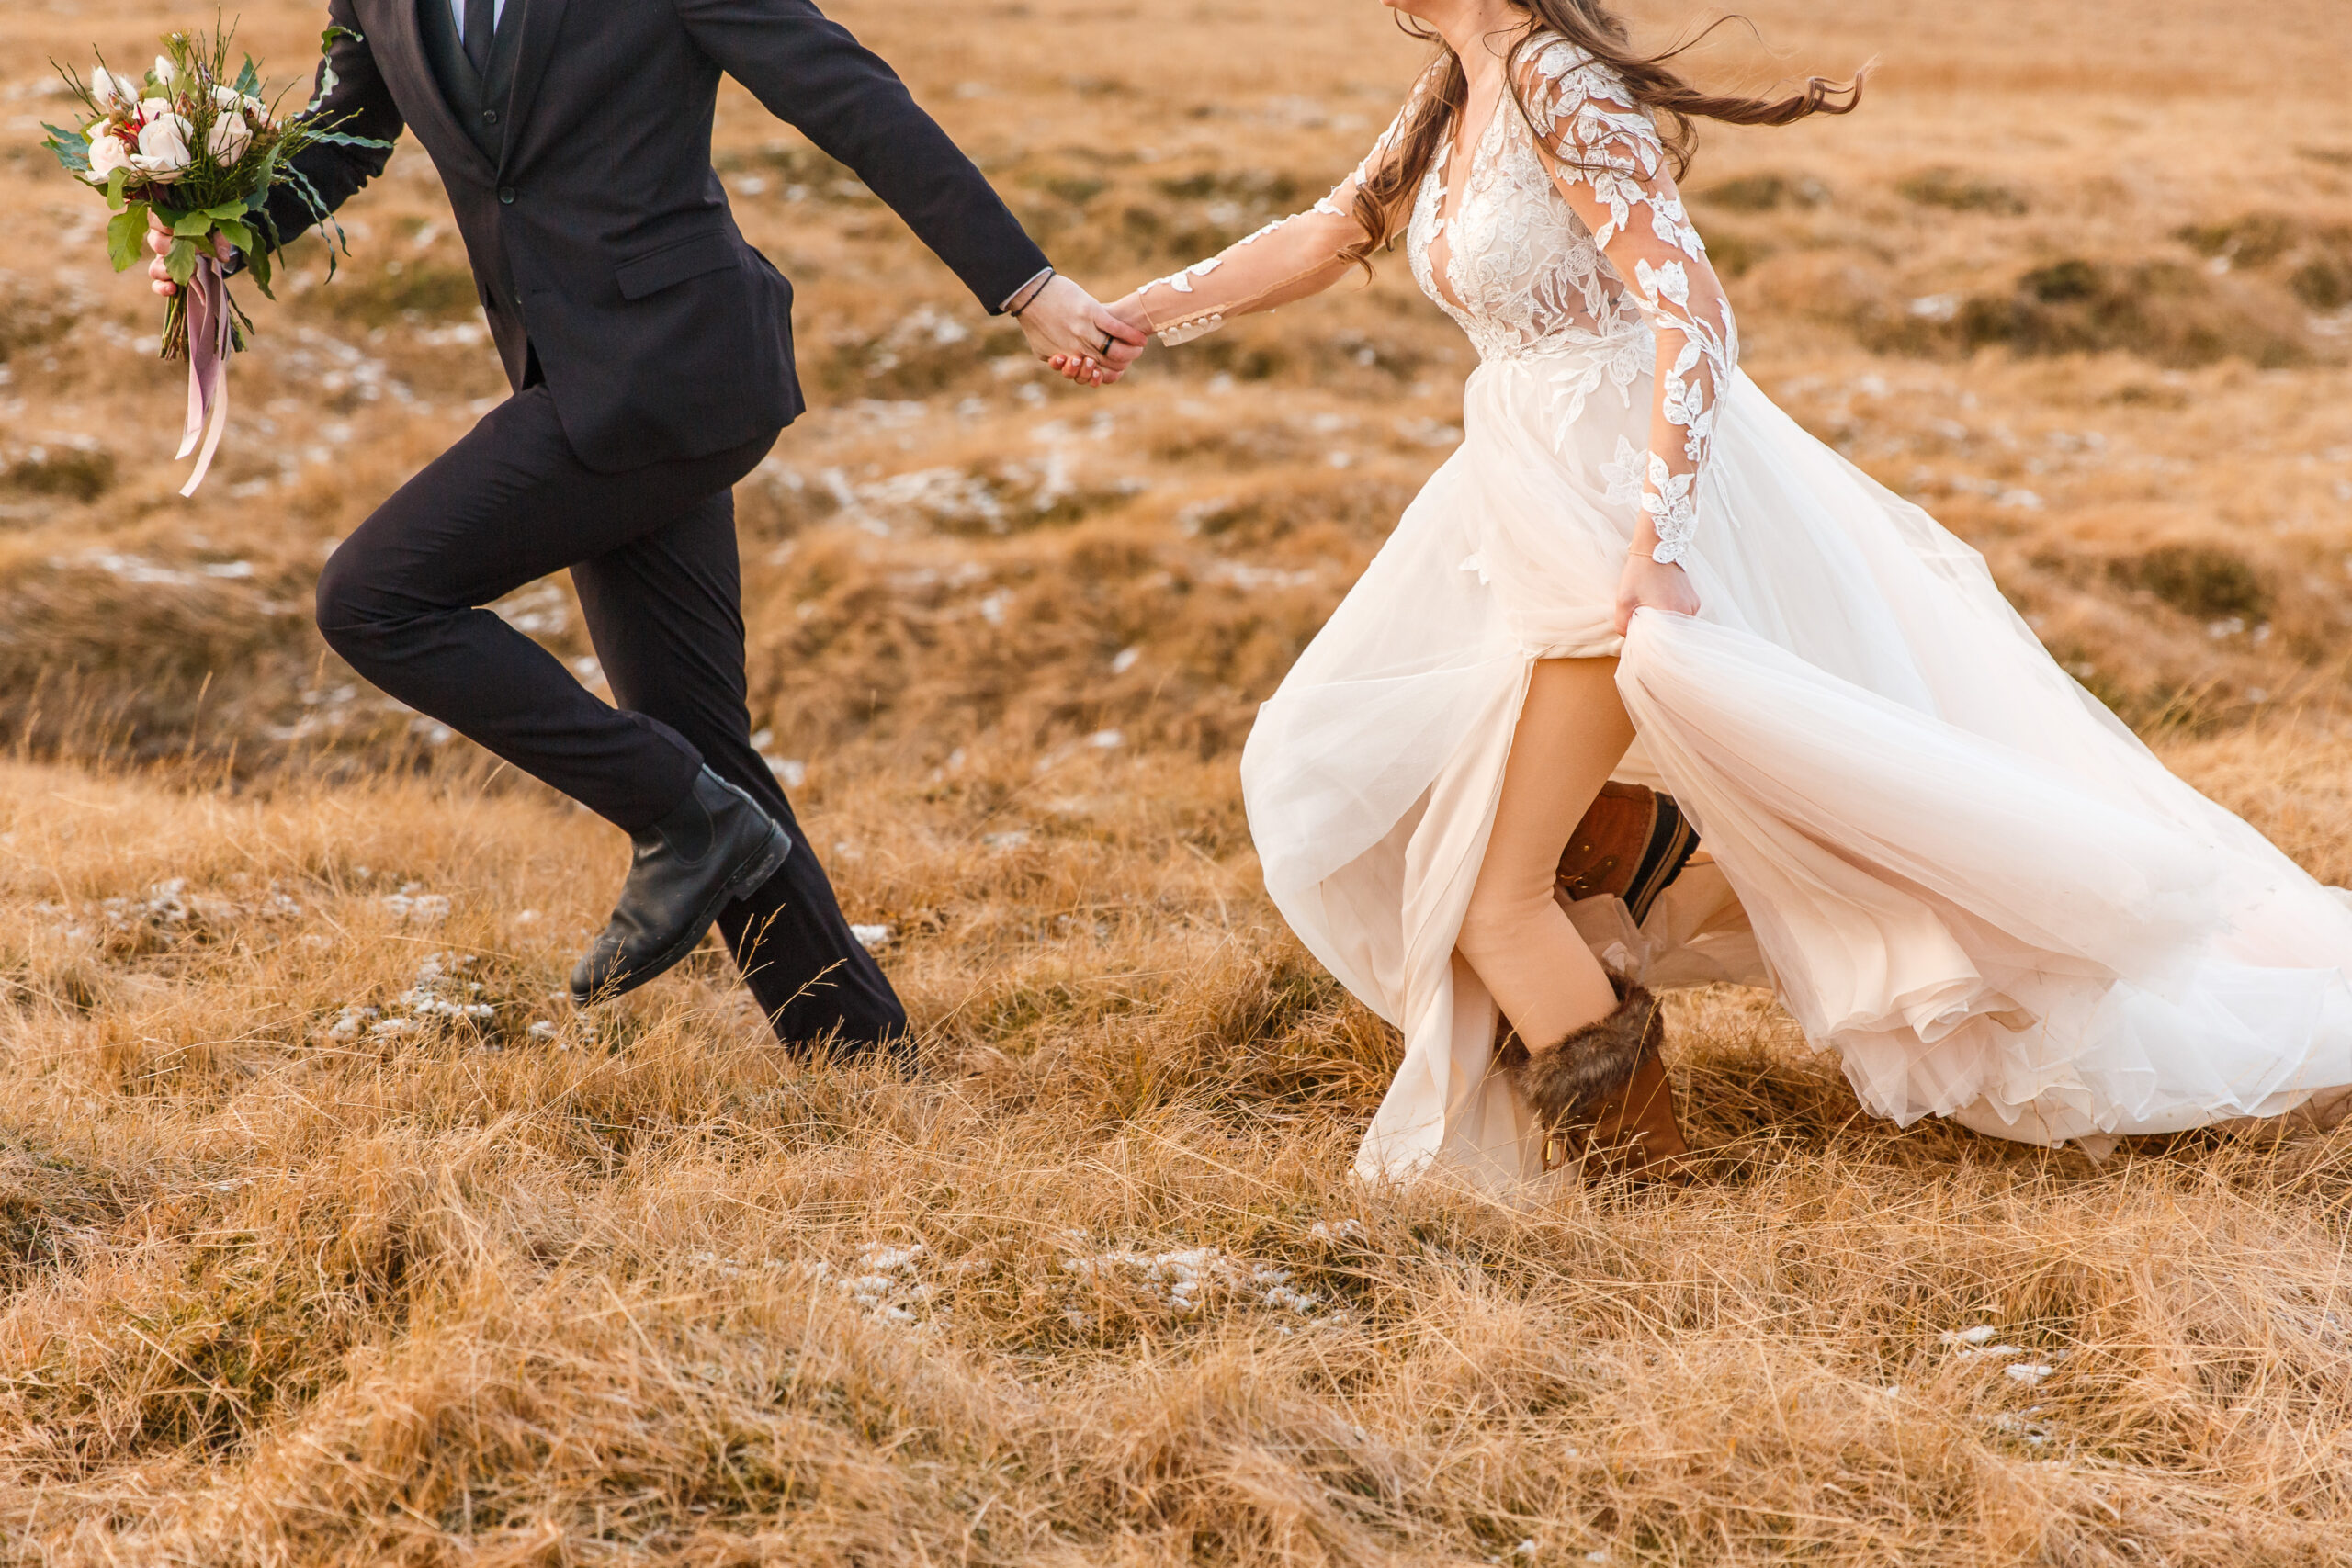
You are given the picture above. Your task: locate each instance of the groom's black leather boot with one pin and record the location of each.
(717, 846)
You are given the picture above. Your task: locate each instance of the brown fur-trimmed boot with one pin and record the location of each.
(1637, 1133)
(1602, 1096)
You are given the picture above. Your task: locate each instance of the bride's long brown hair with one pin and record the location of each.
(1385, 201)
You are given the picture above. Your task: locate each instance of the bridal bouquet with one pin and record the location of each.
(201, 151)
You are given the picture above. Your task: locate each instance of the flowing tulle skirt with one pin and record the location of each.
(1955, 867)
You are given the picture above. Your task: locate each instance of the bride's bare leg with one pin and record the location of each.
(1571, 734)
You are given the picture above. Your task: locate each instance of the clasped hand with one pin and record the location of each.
(1071, 331)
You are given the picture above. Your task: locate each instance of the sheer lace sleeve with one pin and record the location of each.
(1284, 261)
(1607, 160)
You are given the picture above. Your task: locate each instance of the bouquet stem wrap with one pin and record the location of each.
(210, 329)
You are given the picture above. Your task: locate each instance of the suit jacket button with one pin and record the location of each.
(506, 195)
(489, 116)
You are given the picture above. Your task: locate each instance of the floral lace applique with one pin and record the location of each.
(1624, 475)
(1605, 157)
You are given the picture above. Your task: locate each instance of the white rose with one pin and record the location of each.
(228, 100)
(106, 155)
(231, 137)
(163, 155)
(111, 93)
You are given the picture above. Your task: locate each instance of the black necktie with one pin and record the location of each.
(482, 24)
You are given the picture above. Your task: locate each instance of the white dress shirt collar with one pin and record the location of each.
(458, 9)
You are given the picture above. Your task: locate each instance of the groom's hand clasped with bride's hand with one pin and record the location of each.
(1135, 323)
(1070, 330)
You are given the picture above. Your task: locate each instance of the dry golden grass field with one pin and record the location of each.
(327, 1237)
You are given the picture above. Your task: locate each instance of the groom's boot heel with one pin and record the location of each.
(765, 865)
(1602, 1096)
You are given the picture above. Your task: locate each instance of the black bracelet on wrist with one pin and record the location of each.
(1037, 286)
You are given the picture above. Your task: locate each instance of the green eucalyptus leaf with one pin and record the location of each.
(117, 182)
(126, 235)
(181, 261)
(195, 226)
(249, 79)
(72, 148)
(257, 265)
(237, 235)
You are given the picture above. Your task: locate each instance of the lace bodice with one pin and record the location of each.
(1567, 235)
(1520, 272)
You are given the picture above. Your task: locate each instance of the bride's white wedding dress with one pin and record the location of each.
(1955, 867)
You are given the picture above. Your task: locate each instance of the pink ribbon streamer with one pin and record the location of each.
(208, 347)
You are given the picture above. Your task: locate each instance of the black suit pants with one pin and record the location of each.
(653, 554)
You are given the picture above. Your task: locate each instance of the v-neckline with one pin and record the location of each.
(1442, 231)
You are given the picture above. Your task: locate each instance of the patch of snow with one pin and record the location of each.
(415, 906)
(1186, 1282)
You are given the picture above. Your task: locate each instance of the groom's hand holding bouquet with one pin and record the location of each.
(187, 156)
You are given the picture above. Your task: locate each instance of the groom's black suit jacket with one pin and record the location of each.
(600, 236)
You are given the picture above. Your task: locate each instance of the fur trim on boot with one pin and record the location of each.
(1567, 1084)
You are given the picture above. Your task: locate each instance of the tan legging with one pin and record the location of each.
(1571, 734)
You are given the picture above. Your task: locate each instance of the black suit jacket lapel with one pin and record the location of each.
(541, 20)
(399, 50)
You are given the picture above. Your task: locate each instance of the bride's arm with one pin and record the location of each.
(1280, 263)
(1608, 162)
(1284, 262)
